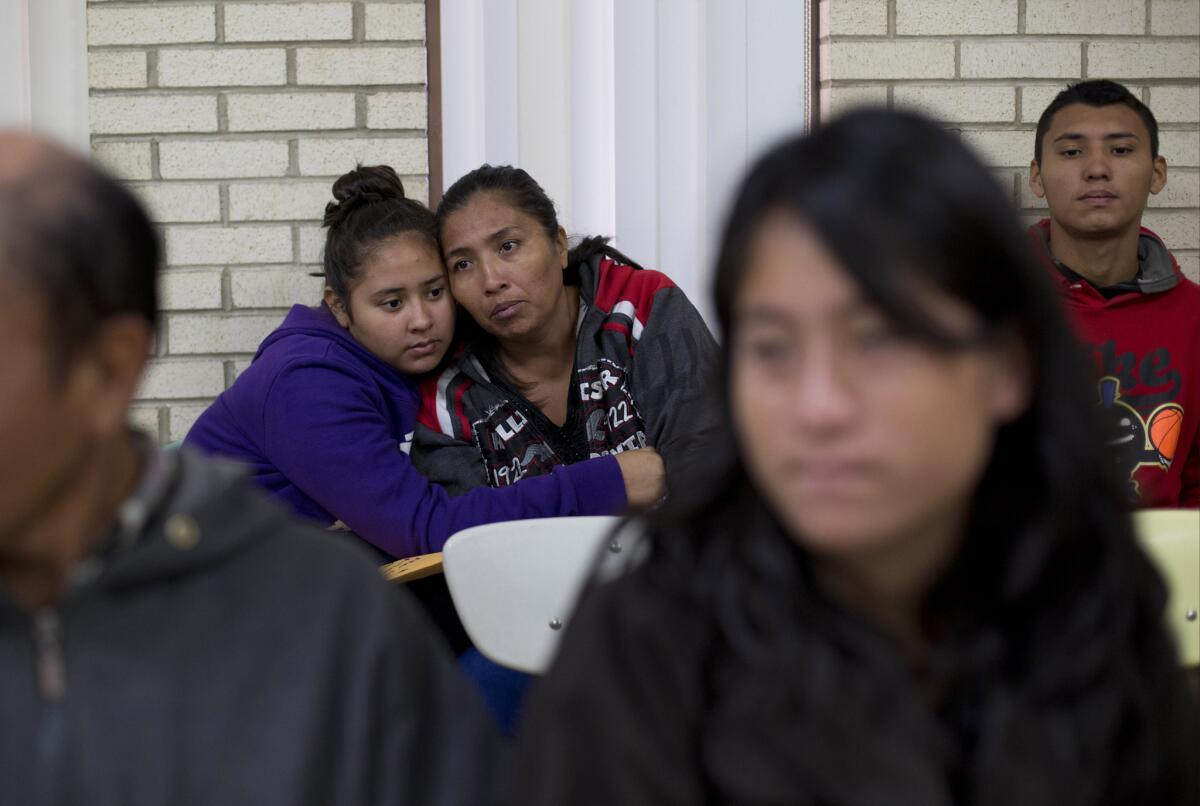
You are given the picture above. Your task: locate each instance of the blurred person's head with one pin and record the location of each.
(911, 453)
(384, 279)
(1096, 160)
(78, 306)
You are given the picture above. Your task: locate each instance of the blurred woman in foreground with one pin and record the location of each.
(910, 578)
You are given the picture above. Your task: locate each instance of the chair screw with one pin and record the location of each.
(555, 624)
(615, 547)
(1190, 615)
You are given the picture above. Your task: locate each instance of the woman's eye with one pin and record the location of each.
(435, 293)
(508, 246)
(768, 353)
(461, 265)
(392, 304)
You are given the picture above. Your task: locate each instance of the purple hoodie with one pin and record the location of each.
(326, 426)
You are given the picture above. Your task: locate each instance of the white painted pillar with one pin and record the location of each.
(545, 121)
(593, 151)
(464, 144)
(43, 68)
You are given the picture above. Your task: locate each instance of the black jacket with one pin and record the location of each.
(219, 652)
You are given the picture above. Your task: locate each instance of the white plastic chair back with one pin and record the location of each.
(1172, 539)
(515, 584)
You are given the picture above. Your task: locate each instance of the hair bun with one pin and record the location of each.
(363, 185)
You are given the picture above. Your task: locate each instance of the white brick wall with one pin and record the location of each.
(230, 119)
(988, 69)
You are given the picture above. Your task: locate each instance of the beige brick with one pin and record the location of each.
(153, 25)
(855, 60)
(240, 366)
(167, 379)
(312, 246)
(1085, 17)
(417, 187)
(287, 22)
(397, 110)
(124, 160)
(278, 201)
(191, 290)
(145, 419)
(130, 114)
(229, 333)
(1182, 190)
(959, 104)
(1189, 264)
(192, 246)
(1144, 59)
(222, 67)
(275, 288)
(1035, 98)
(1002, 149)
(215, 159)
(1179, 229)
(117, 69)
(1180, 148)
(1176, 104)
(395, 21)
(1010, 59)
(1175, 17)
(169, 202)
(291, 111)
(181, 417)
(952, 17)
(854, 17)
(836, 101)
(325, 66)
(334, 157)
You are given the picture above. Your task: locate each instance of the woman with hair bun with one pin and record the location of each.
(324, 416)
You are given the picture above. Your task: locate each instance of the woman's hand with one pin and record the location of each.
(645, 477)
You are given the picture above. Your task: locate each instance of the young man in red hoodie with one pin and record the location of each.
(1096, 162)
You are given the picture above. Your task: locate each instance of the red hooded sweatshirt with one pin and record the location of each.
(1144, 337)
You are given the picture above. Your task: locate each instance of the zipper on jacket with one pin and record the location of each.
(49, 779)
(51, 670)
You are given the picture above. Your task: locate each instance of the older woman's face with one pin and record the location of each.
(867, 444)
(504, 268)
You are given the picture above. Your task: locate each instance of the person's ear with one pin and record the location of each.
(1011, 379)
(1035, 180)
(338, 307)
(560, 243)
(1159, 178)
(104, 377)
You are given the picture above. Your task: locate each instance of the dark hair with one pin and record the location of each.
(1097, 92)
(369, 207)
(83, 242)
(521, 191)
(524, 193)
(1049, 617)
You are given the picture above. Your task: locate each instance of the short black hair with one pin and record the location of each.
(83, 243)
(1097, 92)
